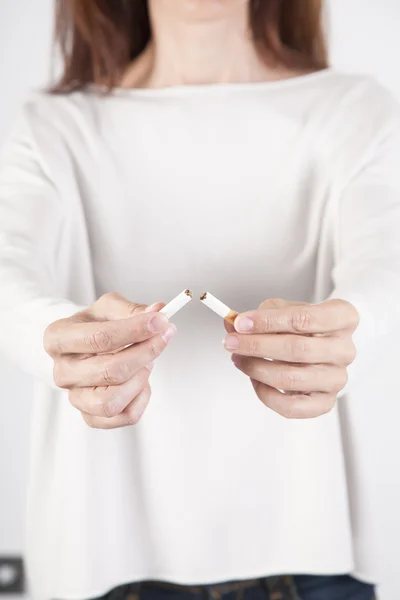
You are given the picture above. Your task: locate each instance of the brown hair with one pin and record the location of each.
(99, 38)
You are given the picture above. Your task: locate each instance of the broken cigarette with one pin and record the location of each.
(177, 304)
(219, 307)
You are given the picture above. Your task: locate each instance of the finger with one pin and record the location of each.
(110, 369)
(330, 316)
(129, 417)
(295, 406)
(72, 337)
(293, 378)
(108, 402)
(293, 348)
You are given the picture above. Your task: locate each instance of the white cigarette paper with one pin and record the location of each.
(219, 307)
(177, 304)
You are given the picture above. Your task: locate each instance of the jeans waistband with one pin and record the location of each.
(216, 590)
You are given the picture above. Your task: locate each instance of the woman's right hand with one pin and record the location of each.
(104, 356)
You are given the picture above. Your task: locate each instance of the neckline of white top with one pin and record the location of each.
(191, 89)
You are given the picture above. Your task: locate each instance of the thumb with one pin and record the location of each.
(277, 303)
(114, 306)
(155, 307)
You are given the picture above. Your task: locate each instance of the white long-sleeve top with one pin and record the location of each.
(284, 189)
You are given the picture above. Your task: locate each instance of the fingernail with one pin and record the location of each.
(150, 366)
(169, 334)
(115, 406)
(231, 342)
(157, 323)
(244, 324)
(151, 307)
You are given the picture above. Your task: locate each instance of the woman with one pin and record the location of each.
(218, 152)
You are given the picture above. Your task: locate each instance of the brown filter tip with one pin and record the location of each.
(231, 317)
(204, 296)
(189, 293)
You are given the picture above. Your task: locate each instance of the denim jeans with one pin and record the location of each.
(304, 587)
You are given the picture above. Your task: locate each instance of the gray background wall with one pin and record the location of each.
(364, 37)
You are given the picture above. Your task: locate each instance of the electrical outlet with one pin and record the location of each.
(11, 575)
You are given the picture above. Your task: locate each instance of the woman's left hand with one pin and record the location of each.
(309, 346)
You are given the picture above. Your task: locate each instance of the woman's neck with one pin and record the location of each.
(188, 49)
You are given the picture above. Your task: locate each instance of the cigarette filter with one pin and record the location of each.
(219, 307)
(177, 304)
